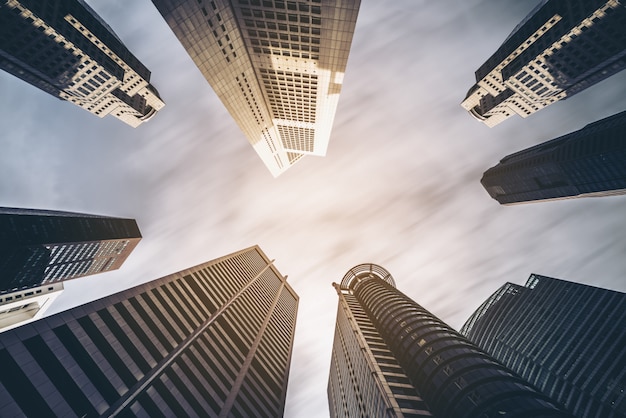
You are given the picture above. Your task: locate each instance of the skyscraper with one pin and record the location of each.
(43, 246)
(64, 48)
(391, 357)
(212, 340)
(585, 163)
(565, 338)
(558, 50)
(276, 65)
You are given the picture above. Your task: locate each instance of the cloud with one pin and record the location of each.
(399, 185)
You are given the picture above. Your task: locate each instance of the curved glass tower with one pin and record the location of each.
(419, 365)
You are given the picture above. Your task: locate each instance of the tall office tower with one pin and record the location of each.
(64, 48)
(558, 50)
(213, 340)
(391, 357)
(565, 338)
(40, 247)
(585, 163)
(276, 65)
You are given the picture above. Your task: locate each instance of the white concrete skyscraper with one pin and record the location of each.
(65, 49)
(558, 50)
(276, 65)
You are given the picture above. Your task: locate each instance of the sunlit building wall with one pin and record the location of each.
(65, 49)
(590, 162)
(565, 338)
(277, 66)
(26, 305)
(558, 50)
(391, 357)
(43, 246)
(213, 340)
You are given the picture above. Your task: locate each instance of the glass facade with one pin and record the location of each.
(213, 340)
(440, 372)
(585, 163)
(65, 49)
(558, 50)
(565, 338)
(43, 246)
(277, 66)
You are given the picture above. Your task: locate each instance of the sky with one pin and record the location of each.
(398, 187)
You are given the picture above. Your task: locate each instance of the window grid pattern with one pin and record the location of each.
(91, 357)
(227, 38)
(559, 50)
(565, 338)
(293, 157)
(51, 246)
(290, 29)
(295, 138)
(61, 55)
(365, 379)
(292, 96)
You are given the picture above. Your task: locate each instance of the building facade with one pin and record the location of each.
(40, 247)
(585, 163)
(393, 358)
(65, 49)
(558, 50)
(26, 305)
(277, 66)
(565, 338)
(212, 340)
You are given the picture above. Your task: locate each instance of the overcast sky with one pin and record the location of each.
(399, 186)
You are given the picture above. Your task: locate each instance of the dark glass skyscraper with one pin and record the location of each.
(587, 162)
(213, 340)
(558, 50)
(44, 246)
(393, 358)
(65, 49)
(567, 339)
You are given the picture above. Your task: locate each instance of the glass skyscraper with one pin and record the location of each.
(393, 358)
(567, 339)
(558, 50)
(65, 49)
(276, 65)
(213, 340)
(45, 246)
(585, 163)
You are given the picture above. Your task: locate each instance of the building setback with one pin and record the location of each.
(558, 50)
(393, 358)
(43, 246)
(65, 49)
(277, 66)
(565, 338)
(212, 340)
(586, 163)
(26, 305)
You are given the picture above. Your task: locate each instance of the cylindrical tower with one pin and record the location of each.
(455, 377)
